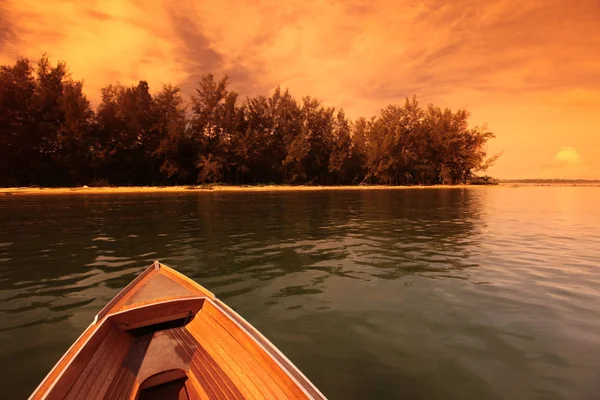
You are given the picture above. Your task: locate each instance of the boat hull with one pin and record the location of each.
(165, 336)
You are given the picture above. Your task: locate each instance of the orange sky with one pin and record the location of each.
(530, 69)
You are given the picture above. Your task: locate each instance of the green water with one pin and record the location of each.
(482, 293)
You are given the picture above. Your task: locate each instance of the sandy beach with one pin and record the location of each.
(206, 188)
(257, 188)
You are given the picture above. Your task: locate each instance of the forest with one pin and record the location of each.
(50, 135)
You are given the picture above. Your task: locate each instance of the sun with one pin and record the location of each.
(568, 154)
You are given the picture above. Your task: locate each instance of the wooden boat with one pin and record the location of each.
(164, 336)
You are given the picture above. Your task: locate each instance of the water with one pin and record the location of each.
(428, 293)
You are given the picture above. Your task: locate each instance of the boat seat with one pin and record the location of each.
(157, 313)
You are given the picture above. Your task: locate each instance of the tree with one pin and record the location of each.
(74, 138)
(253, 147)
(48, 115)
(45, 124)
(174, 150)
(295, 161)
(341, 152)
(17, 141)
(286, 134)
(50, 135)
(358, 156)
(318, 124)
(214, 117)
(210, 167)
(128, 138)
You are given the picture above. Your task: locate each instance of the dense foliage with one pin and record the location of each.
(51, 136)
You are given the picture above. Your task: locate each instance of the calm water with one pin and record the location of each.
(483, 293)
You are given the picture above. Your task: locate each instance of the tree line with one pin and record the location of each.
(50, 135)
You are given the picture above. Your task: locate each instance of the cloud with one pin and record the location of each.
(568, 155)
(375, 51)
(6, 29)
(510, 62)
(102, 42)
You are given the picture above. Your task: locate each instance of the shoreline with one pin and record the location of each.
(238, 188)
(210, 188)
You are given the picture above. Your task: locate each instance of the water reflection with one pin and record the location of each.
(356, 235)
(62, 258)
(454, 293)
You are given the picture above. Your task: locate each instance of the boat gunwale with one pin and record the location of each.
(97, 327)
(64, 356)
(177, 274)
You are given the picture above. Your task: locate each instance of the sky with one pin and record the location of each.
(529, 69)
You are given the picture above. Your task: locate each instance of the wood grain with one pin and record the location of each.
(163, 377)
(156, 313)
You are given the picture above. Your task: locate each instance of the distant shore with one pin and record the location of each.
(253, 188)
(209, 188)
(561, 184)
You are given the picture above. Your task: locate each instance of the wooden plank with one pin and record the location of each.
(61, 378)
(117, 382)
(186, 282)
(163, 377)
(208, 378)
(194, 390)
(93, 367)
(155, 313)
(274, 352)
(164, 353)
(238, 383)
(200, 375)
(148, 319)
(224, 380)
(125, 384)
(248, 375)
(120, 352)
(284, 381)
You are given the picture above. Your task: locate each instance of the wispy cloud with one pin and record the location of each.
(497, 57)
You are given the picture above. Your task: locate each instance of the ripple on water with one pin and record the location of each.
(103, 239)
(383, 294)
(111, 261)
